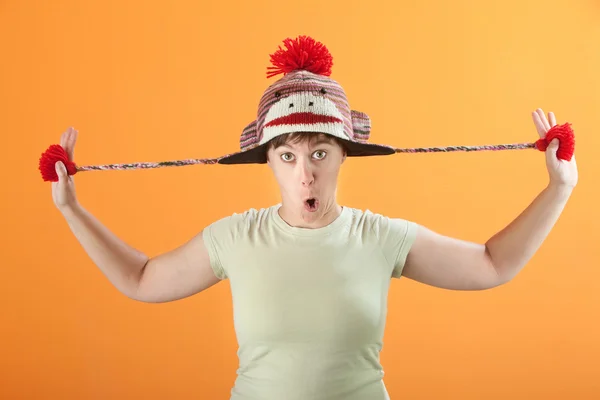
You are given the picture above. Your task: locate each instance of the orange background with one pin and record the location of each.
(149, 81)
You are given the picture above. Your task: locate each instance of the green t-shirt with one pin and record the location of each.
(310, 305)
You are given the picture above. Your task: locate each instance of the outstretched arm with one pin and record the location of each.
(450, 263)
(179, 273)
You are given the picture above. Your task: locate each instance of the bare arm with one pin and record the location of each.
(179, 273)
(513, 247)
(176, 274)
(450, 263)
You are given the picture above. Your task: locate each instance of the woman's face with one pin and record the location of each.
(307, 174)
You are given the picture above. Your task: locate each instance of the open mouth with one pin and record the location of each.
(311, 204)
(302, 118)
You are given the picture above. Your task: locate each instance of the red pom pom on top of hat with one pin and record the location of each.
(48, 161)
(303, 53)
(566, 141)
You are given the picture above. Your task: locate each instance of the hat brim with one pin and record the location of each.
(258, 155)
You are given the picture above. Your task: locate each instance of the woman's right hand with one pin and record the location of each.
(63, 191)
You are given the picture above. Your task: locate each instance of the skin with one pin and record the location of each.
(307, 169)
(312, 169)
(450, 263)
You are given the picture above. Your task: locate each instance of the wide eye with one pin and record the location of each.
(287, 157)
(320, 154)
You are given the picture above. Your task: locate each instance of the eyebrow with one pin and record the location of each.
(318, 142)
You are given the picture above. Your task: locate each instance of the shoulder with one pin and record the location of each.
(381, 225)
(395, 236)
(241, 221)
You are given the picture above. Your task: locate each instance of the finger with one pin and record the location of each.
(61, 171)
(68, 142)
(543, 118)
(71, 143)
(551, 150)
(552, 118)
(539, 126)
(63, 138)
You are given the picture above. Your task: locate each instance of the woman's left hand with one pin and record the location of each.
(562, 173)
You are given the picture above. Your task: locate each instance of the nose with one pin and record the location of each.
(305, 173)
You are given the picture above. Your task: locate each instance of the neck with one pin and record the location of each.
(304, 219)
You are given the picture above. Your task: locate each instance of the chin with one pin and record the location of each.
(311, 216)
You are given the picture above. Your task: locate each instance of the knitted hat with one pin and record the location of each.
(305, 99)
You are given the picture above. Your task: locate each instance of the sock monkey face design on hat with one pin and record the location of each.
(304, 102)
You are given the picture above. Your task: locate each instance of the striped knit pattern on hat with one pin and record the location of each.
(302, 101)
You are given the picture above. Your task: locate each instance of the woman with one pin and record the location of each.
(310, 277)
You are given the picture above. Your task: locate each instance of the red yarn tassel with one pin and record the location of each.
(48, 161)
(302, 53)
(566, 138)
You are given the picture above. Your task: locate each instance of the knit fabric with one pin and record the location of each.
(305, 101)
